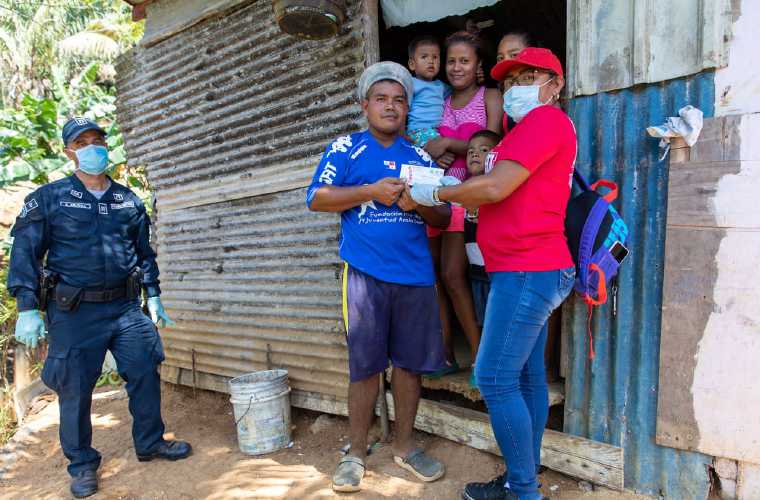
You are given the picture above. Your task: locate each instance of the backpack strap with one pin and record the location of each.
(591, 302)
(591, 353)
(580, 180)
(612, 195)
(588, 236)
(601, 296)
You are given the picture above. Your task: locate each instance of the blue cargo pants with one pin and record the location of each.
(78, 341)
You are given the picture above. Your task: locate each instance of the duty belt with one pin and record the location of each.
(101, 295)
(104, 295)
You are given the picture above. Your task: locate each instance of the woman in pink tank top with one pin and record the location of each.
(468, 109)
(460, 124)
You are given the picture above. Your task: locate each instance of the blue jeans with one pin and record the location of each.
(510, 367)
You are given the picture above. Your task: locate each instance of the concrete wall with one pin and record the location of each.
(737, 92)
(737, 86)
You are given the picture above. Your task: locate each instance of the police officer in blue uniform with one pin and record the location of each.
(81, 253)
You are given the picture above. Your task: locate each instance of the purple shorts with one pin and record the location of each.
(390, 321)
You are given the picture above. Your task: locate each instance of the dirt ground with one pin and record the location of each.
(36, 468)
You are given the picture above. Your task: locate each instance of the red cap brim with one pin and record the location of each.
(501, 69)
(532, 57)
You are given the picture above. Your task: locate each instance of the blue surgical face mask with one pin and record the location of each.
(520, 100)
(93, 159)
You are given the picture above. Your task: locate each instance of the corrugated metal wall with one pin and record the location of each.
(244, 274)
(614, 397)
(230, 116)
(233, 108)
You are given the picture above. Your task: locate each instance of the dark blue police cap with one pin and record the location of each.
(75, 126)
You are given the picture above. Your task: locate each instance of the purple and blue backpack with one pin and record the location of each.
(596, 235)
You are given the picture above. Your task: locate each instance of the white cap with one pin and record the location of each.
(386, 70)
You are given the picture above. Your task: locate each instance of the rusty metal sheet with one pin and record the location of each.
(251, 283)
(231, 107)
(614, 45)
(168, 17)
(230, 117)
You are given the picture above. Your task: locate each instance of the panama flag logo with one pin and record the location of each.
(390, 164)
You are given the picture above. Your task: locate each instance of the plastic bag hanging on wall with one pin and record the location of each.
(688, 124)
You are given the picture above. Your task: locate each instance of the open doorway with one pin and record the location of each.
(545, 21)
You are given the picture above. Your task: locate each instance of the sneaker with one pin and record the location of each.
(492, 490)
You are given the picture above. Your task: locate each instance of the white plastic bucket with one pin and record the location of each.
(261, 405)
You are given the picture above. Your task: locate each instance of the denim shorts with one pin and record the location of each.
(387, 321)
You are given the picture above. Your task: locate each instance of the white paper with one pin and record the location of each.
(421, 175)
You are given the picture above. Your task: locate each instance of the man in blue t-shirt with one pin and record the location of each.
(389, 301)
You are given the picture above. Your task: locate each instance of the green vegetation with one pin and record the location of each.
(7, 320)
(57, 60)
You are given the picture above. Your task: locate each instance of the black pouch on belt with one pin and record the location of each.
(67, 297)
(134, 283)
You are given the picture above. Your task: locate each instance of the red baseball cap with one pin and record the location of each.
(529, 56)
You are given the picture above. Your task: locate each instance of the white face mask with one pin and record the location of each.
(520, 100)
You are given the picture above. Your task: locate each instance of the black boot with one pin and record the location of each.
(169, 450)
(84, 484)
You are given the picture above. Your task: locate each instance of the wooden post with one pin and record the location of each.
(371, 26)
(22, 366)
(22, 378)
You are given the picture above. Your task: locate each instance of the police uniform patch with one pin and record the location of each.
(71, 204)
(28, 207)
(75, 194)
(103, 208)
(119, 206)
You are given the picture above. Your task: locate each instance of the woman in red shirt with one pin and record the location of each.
(522, 199)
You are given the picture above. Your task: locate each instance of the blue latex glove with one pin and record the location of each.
(423, 194)
(29, 328)
(448, 180)
(157, 312)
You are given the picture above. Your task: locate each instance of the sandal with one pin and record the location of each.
(447, 369)
(348, 475)
(425, 467)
